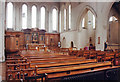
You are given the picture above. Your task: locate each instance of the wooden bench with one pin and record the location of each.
(15, 61)
(48, 56)
(80, 53)
(54, 60)
(17, 66)
(19, 74)
(72, 69)
(100, 56)
(63, 63)
(19, 58)
(109, 56)
(29, 66)
(73, 52)
(92, 54)
(86, 54)
(13, 74)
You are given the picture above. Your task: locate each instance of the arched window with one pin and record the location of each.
(42, 17)
(93, 22)
(9, 15)
(65, 19)
(113, 30)
(69, 16)
(54, 19)
(83, 22)
(24, 16)
(112, 18)
(60, 22)
(34, 13)
(88, 20)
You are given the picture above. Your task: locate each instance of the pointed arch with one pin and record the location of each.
(82, 15)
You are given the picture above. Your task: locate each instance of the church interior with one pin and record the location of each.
(58, 40)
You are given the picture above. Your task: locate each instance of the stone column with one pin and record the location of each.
(29, 16)
(67, 18)
(101, 28)
(47, 19)
(2, 30)
(50, 20)
(38, 17)
(18, 15)
(62, 19)
(14, 17)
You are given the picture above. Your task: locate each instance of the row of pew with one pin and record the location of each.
(99, 55)
(54, 67)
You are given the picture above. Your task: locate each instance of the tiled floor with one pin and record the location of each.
(3, 71)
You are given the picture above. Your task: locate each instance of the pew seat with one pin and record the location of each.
(72, 68)
(17, 66)
(54, 60)
(63, 63)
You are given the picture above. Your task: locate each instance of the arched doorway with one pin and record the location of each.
(113, 27)
(113, 30)
(72, 44)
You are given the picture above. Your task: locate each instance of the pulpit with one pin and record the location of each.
(13, 41)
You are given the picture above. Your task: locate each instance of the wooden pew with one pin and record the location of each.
(92, 55)
(109, 56)
(64, 50)
(17, 66)
(13, 74)
(47, 56)
(57, 65)
(18, 58)
(86, 54)
(27, 72)
(100, 55)
(15, 61)
(63, 63)
(54, 60)
(80, 53)
(19, 74)
(72, 69)
(73, 52)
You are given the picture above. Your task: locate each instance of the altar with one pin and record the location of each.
(35, 46)
(30, 39)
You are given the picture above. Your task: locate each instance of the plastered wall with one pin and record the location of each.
(80, 36)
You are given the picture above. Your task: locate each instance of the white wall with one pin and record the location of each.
(2, 26)
(78, 35)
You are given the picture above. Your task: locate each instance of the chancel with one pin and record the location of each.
(58, 40)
